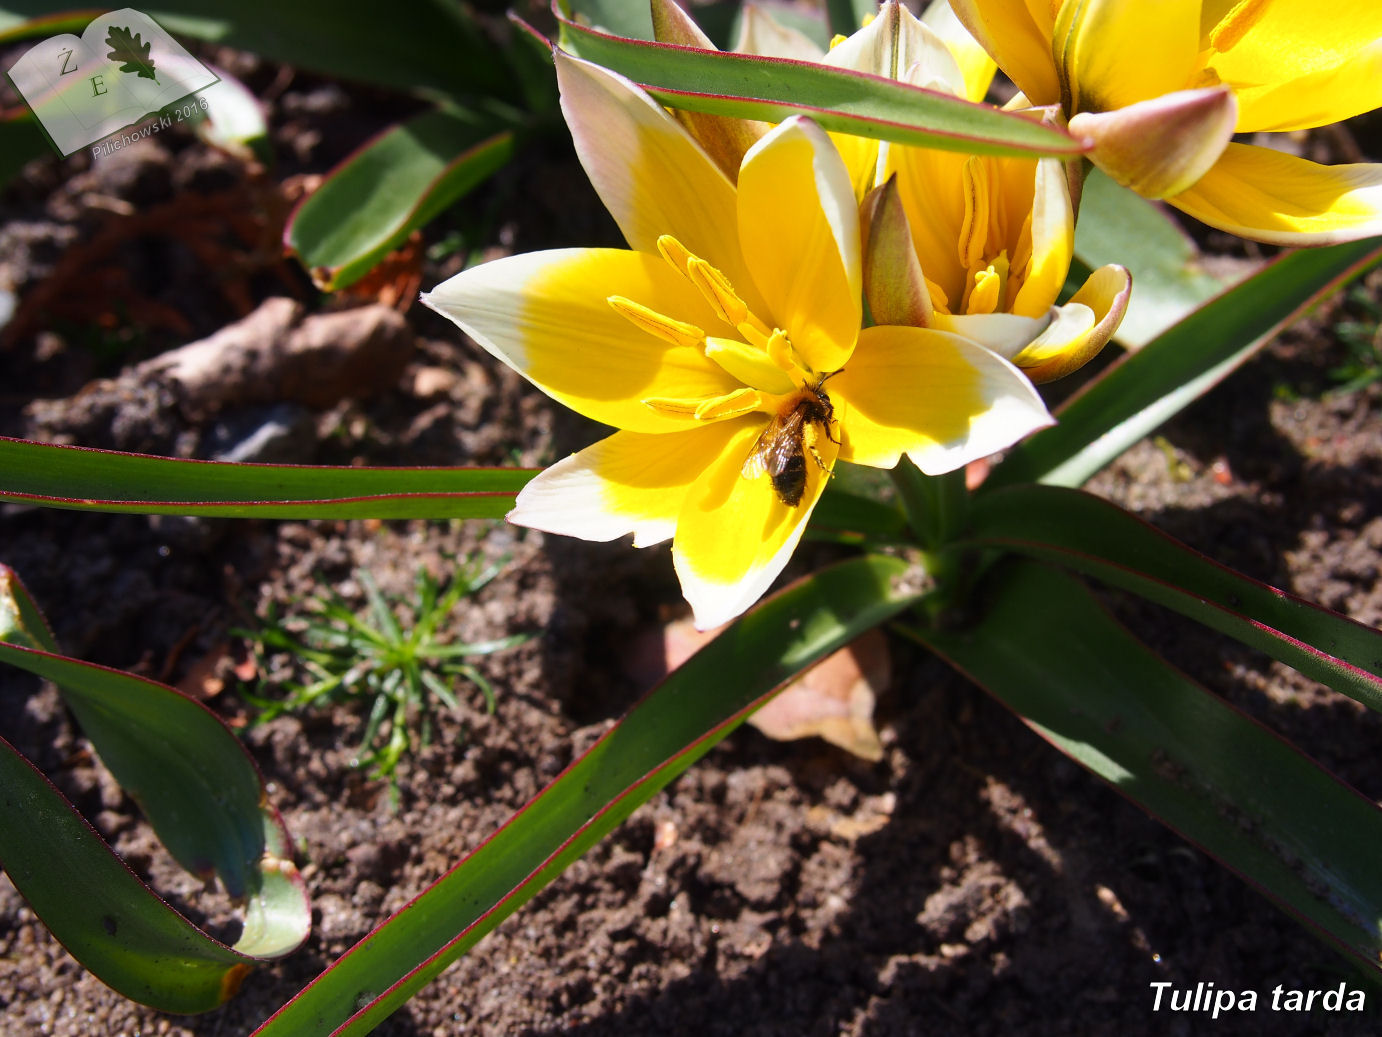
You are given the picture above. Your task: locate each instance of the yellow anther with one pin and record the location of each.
(718, 291)
(677, 332)
(1234, 26)
(730, 405)
(974, 231)
(669, 405)
(674, 252)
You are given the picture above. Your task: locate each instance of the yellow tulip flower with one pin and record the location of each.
(1161, 88)
(724, 346)
(992, 238)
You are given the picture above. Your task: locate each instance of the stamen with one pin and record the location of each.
(974, 230)
(731, 405)
(716, 288)
(677, 332)
(671, 405)
(674, 252)
(1234, 26)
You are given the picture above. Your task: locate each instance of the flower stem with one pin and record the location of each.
(935, 504)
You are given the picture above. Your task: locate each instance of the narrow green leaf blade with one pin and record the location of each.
(1117, 225)
(191, 776)
(1144, 389)
(396, 183)
(1092, 536)
(850, 518)
(96, 907)
(772, 89)
(660, 737)
(619, 17)
(1048, 651)
(105, 480)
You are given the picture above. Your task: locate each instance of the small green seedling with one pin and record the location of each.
(400, 672)
(1363, 338)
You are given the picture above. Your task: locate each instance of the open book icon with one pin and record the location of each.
(122, 68)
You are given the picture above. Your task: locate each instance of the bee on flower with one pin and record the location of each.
(725, 348)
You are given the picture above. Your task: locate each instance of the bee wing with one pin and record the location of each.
(756, 463)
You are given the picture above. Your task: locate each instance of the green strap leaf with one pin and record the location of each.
(852, 518)
(202, 795)
(396, 183)
(1047, 650)
(106, 480)
(1092, 536)
(1144, 389)
(660, 737)
(106, 918)
(771, 89)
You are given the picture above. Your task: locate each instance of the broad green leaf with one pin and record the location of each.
(105, 480)
(1092, 536)
(675, 724)
(843, 101)
(390, 187)
(852, 518)
(1047, 650)
(1117, 225)
(432, 46)
(105, 917)
(1144, 389)
(202, 795)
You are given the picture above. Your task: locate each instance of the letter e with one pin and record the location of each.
(98, 86)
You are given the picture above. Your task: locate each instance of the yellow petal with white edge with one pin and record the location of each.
(547, 315)
(1267, 43)
(1053, 236)
(799, 229)
(941, 400)
(1006, 334)
(733, 533)
(1079, 329)
(1317, 99)
(652, 176)
(1113, 53)
(976, 67)
(1269, 196)
(629, 482)
(1017, 35)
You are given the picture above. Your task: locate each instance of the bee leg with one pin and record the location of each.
(815, 456)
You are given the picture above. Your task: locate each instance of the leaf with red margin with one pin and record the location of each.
(202, 795)
(1047, 650)
(106, 480)
(1088, 534)
(670, 728)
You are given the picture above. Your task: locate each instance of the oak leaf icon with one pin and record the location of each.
(131, 50)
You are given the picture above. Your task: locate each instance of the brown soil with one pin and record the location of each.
(972, 882)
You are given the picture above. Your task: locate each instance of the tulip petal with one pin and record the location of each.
(1003, 333)
(724, 139)
(940, 399)
(1017, 35)
(1052, 234)
(1269, 43)
(799, 229)
(629, 482)
(651, 175)
(1113, 53)
(931, 186)
(546, 315)
(1269, 196)
(1080, 328)
(976, 67)
(1318, 99)
(1162, 146)
(733, 533)
(761, 34)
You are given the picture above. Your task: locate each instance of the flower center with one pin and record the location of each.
(763, 359)
(993, 253)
